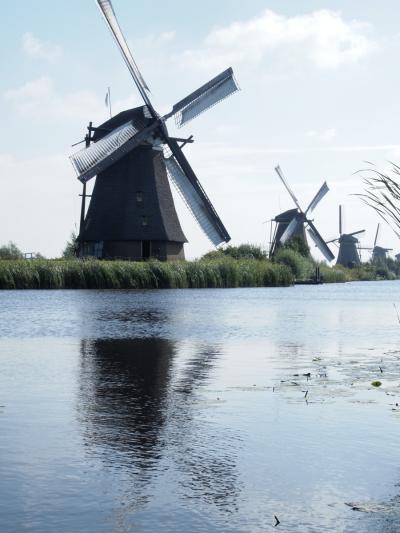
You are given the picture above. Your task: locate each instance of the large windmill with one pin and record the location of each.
(292, 223)
(131, 212)
(348, 252)
(378, 252)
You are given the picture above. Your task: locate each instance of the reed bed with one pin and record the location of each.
(94, 274)
(303, 268)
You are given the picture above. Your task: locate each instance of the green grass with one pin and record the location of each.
(93, 274)
(215, 271)
(304, 268)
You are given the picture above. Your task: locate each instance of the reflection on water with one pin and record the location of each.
(124, 386)
(136, 405)
(200, 411)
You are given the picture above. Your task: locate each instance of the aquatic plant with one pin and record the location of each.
(95, 274)
(382, 193)
(219, 271)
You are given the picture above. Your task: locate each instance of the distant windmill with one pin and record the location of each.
(378, 252)
(348, 253)
(292, 223)
(132, 213)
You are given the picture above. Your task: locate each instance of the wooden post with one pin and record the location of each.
(88, 138)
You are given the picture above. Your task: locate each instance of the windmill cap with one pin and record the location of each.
(286, 216)
(136, 114)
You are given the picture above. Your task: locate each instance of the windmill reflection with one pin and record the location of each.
(139, 405)
(124, 385)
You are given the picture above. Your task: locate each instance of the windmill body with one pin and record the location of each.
(293, 223)
(131, 213)
(282, 221)
(348, 255)
(379, 253)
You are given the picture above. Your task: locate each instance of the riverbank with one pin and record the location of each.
(204, 273)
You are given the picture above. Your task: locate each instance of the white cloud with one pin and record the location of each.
(38, 49)
(322, 37)
(39, 99)
(322, 135)
(167, 36)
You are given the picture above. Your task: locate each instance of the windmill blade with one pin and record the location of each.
(193, 194)
(340, 220)
(205, 97)
(319, 242)
(377, 233)
(88, 162)
(357, 232)
(108, 13)
(318, 197)
(280, 174)
(289, 231)
(332, 240)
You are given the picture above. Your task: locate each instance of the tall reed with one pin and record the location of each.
(93, 274)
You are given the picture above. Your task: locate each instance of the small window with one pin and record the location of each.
(139, 197)
(145, 222)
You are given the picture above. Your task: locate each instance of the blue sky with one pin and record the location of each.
(319, 94)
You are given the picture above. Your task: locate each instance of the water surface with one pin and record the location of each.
(200, 410)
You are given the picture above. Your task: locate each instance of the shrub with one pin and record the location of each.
(243, 251)
(302, 267)
(10, 251)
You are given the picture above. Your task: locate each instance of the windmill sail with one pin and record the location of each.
(107, 10)
(194, 195)
(290, 230)
(319, 242)
(377, 234)
(318, 197)
(289, 190)
(131, 212)
(357, 232)
(205, 97)
(88, 162)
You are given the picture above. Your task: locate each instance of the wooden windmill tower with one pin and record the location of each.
(348, 251)
(294, 222)
(131, 213)
(379, 253)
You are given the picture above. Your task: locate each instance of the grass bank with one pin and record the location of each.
(213, 271)
(94, 274)
(304, 268)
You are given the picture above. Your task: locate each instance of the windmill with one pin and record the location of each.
(378, 252)
(348, 253)
(292, 223)
(131, 212)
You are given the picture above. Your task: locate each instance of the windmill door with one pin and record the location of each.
(146, 249)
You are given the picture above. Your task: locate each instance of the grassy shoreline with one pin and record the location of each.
(223, 272)
(94, 274)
